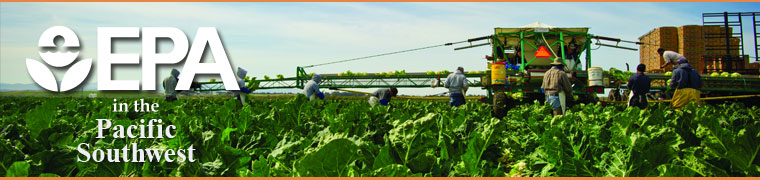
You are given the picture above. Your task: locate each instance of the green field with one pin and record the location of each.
(294, 137)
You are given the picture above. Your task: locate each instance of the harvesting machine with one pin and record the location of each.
(518, 60)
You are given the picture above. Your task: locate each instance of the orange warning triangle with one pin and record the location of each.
(542, 52)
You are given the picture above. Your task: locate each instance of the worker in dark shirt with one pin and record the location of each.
(572, 53)
(382, 96)
(639, 85)
(687, 82)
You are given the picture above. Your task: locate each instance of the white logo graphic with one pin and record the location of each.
(76, 73)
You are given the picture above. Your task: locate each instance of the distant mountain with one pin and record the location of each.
(5, 87)
(18, 87)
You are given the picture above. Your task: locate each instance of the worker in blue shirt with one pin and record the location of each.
(639, 84)
(457, 84)
(382, 96)
(311, 89)
(240, 95)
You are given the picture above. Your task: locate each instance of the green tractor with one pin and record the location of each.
(521, 56)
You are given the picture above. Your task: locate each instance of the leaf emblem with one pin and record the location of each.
(76, 74)
(41, 75)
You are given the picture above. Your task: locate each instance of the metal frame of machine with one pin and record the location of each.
(526, 79)
(529, 76)
(371, 80)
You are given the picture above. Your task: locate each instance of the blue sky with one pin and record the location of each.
(274, 38)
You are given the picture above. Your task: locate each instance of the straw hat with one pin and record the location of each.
(557, 61)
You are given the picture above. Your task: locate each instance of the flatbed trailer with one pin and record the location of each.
(747, 83)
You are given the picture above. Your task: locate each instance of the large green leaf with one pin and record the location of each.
(413, 141)
(41, 117)
(18, 169)
(479, 142)
(260, 167)
(383, 158)
(333, 159)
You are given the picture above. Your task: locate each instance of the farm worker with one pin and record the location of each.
(382, 96)
(517, 57)
(457, 84)
(571, 56)
(686, 81)
(670, 57)
(639, 86)
(311, 89)
(556, 87)
(170, 84)
(239, 94)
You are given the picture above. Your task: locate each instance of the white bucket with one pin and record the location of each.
(595, 76)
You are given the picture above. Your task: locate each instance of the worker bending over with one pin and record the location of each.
(639, 85)
(241, 83)
(556, 87)
(311, 89)
(170, 86)
(382, 96)
(669, 57)
(686, 81)
(457, 84)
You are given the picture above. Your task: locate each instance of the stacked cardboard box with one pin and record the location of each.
(715, 38)
(720, 43)
(691, 41)
(695, 59)
(751, 65)
(691, 45)
(718, 57)
(662, 37)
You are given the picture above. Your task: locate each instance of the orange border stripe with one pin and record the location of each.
(381, 1)
(392, 178)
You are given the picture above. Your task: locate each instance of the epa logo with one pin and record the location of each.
(74, 76)
(63, 56)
